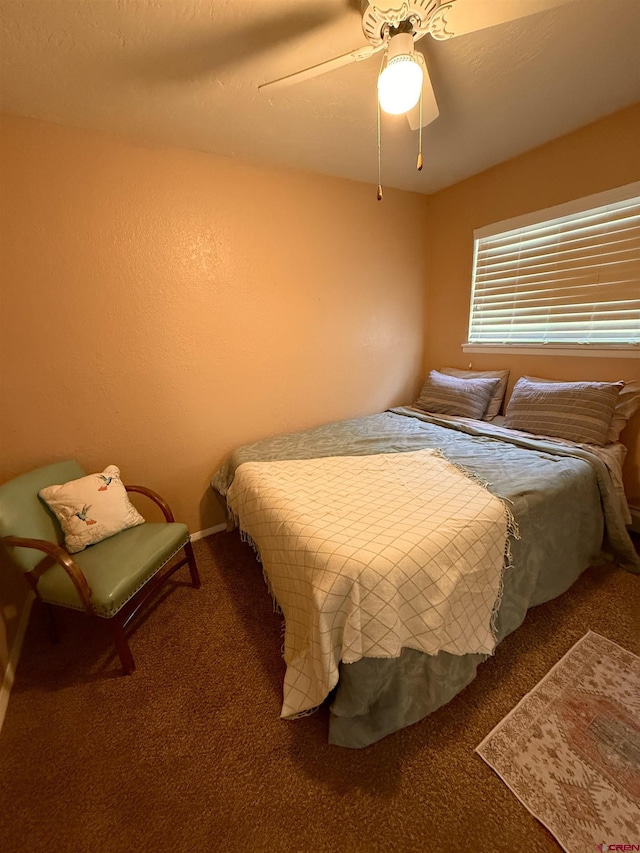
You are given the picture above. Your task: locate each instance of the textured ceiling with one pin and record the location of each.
(186, 72)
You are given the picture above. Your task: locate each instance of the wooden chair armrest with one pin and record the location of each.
(61, 557)
(156, 498)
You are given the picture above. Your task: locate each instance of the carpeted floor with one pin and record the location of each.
(189, 753)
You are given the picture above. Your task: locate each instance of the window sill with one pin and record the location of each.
(581, 350)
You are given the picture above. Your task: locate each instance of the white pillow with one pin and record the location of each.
(91, 508)
(626, 407)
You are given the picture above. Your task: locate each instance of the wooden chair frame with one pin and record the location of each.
(119, 621)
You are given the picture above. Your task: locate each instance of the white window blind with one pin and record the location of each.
(571, 277)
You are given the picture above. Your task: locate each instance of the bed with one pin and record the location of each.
(562, 513)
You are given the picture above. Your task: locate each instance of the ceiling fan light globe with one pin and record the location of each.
(399, 85)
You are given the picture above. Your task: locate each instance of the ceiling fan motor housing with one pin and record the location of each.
(379, 19)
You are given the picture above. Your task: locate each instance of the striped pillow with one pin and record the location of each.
(498, 395)
(448, 395)
(576, 411)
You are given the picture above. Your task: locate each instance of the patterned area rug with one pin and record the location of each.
(570, 750)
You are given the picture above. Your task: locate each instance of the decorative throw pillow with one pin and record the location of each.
(91, 508)
(498, 395)
(448, 395)
(576, 411)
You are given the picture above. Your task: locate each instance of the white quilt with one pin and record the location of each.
(367, 555)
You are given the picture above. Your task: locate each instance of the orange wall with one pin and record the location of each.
(595, 158)
(162, 306)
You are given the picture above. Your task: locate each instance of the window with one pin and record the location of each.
(566, 278)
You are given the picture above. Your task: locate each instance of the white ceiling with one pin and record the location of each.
(186, 72)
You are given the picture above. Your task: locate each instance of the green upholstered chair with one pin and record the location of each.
(111, 580)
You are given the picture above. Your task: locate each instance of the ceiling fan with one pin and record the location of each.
(394, 25)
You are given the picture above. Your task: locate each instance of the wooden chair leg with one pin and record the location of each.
(191, 559)
(122, 646)
(54, 634)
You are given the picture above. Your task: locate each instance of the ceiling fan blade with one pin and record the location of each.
(430, 111)
(322, 67)
(466, 16)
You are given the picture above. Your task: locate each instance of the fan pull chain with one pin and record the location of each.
(382, 63)
(379, 158)
(419, 164)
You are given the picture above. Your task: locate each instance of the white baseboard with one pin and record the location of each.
(14, 654)
(200, 534)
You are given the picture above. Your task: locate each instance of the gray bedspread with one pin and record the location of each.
(561, 498)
